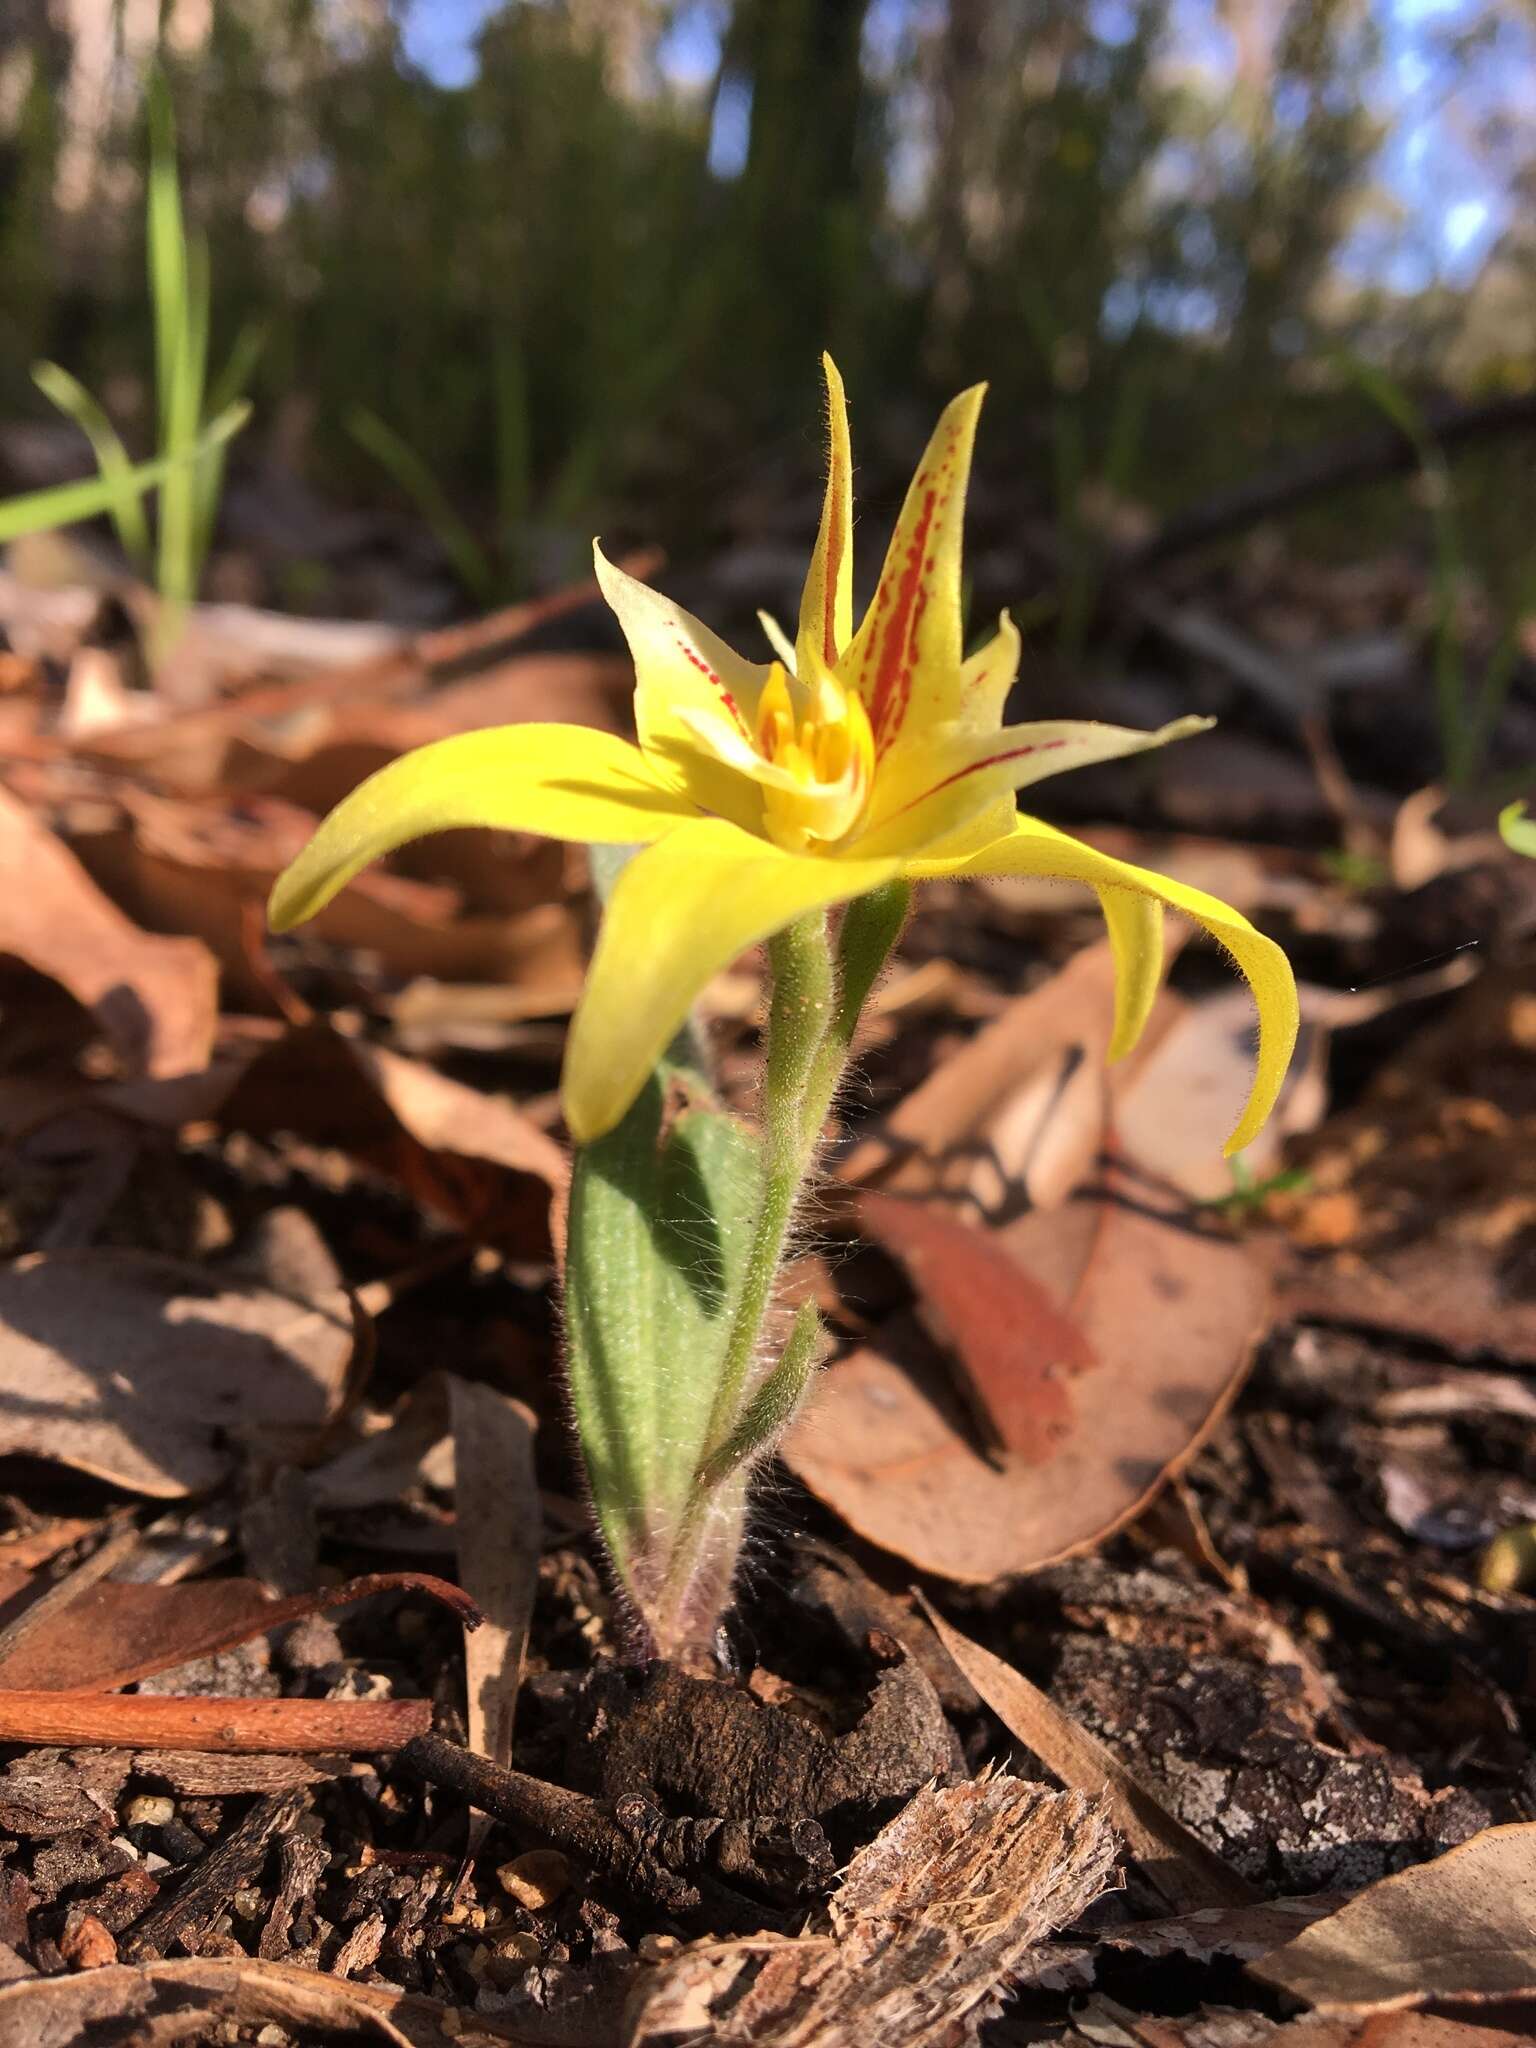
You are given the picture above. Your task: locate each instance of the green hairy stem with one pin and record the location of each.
(679, 1222)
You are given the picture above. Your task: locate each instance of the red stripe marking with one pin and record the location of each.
(975, 768)
(692, 654)
(836, 541)
(893, 669)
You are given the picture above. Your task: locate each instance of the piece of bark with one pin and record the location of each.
(259, 1726)
(1183, 1869)
(304, 1860)
(164, 2002)
(205, 1774)
(933, 1919)
(51, 1792)
(213, 1880)
(360, 1950)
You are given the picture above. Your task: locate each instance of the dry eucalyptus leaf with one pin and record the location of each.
(1461, 1929)
(933, 1919)
(1168, 1317)
(1184, 1870)
(498, 1525)
(156, 999)
(142, 1370)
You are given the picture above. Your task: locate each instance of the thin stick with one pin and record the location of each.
(230, 1726)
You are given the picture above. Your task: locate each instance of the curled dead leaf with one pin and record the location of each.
(155, 999)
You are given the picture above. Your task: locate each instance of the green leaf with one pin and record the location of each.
(660, 1224)
(1517, 830)
(772, 1408)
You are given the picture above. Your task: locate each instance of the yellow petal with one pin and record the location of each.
(567, 781)
(924, 793)
(1034, 848)
(987, 677)
(905, 659)
(826, 604)
(681, 912)
(1135, 924)
(682, 667)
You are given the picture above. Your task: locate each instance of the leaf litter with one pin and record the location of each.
(1047, 1308)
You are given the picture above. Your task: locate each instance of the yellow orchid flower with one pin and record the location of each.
(764, 790)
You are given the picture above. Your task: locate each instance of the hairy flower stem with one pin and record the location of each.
(820, 987)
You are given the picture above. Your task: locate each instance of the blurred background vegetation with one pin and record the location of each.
(559, 264)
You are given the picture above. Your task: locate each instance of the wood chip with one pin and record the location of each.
(933, 1918)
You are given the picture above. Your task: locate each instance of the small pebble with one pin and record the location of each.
(85, 1944)
(535, 1880)
(658, 1948)
(273, 2036)
(149, 1810)
(519, 1946)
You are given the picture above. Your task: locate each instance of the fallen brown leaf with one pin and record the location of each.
(155, 999)
(136, 1368)
(1168, 1315)
(1178, 1863)
(932, 1919)
(1461, 1929)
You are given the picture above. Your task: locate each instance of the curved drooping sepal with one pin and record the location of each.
(1035, 848)
(661, 1217)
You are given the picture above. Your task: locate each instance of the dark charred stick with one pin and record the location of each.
(1335, 466)
(568, 1821)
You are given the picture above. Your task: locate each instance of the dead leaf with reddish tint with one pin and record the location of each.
(142, 1370)
(1168, 1314)
(155, 999)
(1015, 1350)
(1459, 1930)
(120, 1631)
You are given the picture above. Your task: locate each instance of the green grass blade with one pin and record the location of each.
(179, 564)
(167, 242)
(112, 458)
(64, 504)
(470, 561)
(223, 392)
